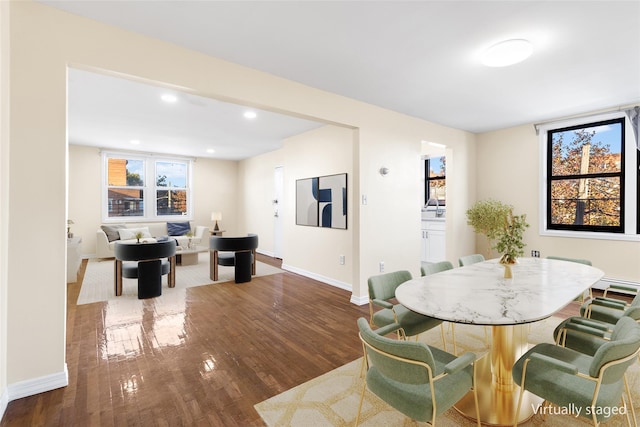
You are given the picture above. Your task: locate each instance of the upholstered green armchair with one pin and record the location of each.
(587, 336)
(382, 288)
(470, 259)
(609, 309)
(418, 380)
(591, 386)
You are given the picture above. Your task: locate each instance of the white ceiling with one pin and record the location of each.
(110, 113)
(420, 58)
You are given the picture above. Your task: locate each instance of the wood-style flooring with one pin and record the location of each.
(202, 360)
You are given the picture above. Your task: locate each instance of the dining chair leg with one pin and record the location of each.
(633, 411)
(475, 393)
(364, 386)
(444, 341)
(453, 337)
(524, 373)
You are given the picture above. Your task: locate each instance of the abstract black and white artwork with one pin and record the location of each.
(322, 201)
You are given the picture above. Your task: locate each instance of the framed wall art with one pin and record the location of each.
(322, 201)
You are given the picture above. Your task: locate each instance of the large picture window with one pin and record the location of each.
(146, 188)
(592, 178)
(586, 170)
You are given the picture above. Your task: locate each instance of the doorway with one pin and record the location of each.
(278, 183)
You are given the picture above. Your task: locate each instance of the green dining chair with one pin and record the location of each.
(437, 267)
(382, 289)
(587, 336)
(470, 259)
(428, 268)
(590, 385)
(419, 381)
(609, 309)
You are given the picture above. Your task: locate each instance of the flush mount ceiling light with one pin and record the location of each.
(506, 53)
(250, 115)
(168, 97)
(210, 150)
(135, 142)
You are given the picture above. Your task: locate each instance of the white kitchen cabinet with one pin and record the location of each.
(433, 240)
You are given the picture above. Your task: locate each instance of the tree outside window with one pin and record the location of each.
(585, 189)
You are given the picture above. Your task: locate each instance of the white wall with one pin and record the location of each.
(509, 170)
(311, 251)
(4, 191)
(44, 41)
(214, 189)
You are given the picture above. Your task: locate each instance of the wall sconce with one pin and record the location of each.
(216, 216)
(384, 171)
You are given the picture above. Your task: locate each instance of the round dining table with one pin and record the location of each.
(479, 294)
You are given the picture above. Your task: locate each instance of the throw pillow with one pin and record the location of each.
(112, 231)
(178, 228)
(130, 233)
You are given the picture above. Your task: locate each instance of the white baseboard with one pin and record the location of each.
(265, 253)
(318, 277)
(4, 401)
(38, 385)
(359, 300)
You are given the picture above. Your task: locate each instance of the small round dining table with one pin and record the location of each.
(479, 294)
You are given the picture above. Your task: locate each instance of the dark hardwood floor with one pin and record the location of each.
(203, 358)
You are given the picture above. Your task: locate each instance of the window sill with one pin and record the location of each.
(591, 235)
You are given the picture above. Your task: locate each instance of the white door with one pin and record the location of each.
(277, 211)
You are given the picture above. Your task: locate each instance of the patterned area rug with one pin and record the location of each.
(97, 284)
(332, 399)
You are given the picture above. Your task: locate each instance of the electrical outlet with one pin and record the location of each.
(535, 254)
(381, 266)
(341, 258)
(364, 199)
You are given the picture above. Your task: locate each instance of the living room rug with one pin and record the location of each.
(332, 399)
(97, 284)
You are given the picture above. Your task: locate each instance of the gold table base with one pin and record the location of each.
(497, 393)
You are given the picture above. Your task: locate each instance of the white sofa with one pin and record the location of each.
(151, 231)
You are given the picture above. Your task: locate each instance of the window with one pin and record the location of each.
(131, 193)
(435, 180)
(592, 179)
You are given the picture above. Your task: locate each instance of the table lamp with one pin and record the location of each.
(216, 216)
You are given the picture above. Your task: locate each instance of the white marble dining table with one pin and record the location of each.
(479, 294)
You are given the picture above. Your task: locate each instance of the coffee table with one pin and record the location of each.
(188, 256)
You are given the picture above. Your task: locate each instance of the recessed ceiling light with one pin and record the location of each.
(250, 115)
(168, 97)
(210, 150)
(135, 141)
(508, 52)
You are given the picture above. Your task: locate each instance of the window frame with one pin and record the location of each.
(630, 182)
(428, 178)
(150, 188)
